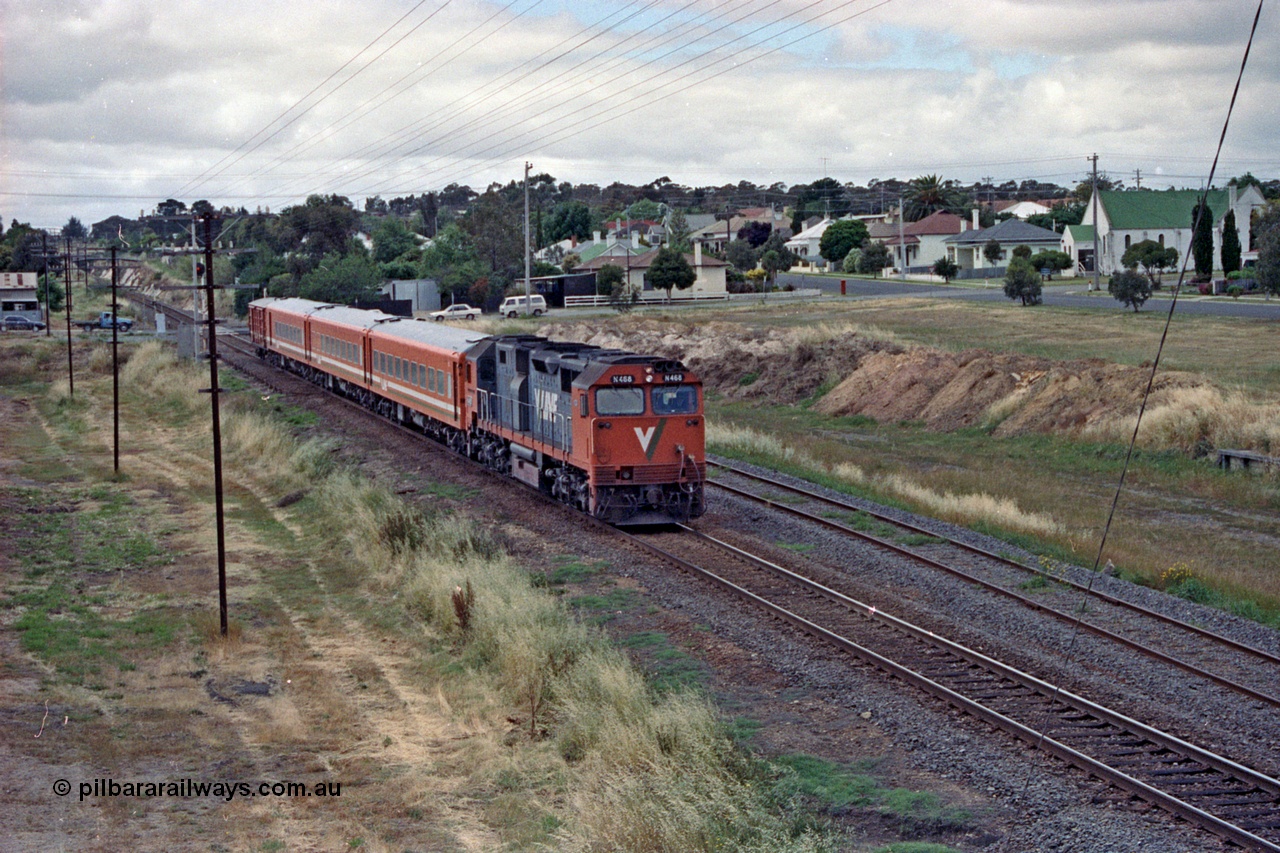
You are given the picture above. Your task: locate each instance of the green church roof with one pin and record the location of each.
(1134, 210)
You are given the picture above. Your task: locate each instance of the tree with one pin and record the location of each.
(946, 269)
(1051, 260)
(322, 226)
(929, 194)
(755, 233)
(840, 237)
(1268, 266)
(1202, 239)
(568, 219)
(609, 277)
(342, 280)
(1130, 288)
(75, 229)
(851, 261)
(670, 271)
(391, 239)
(1021, 281)
(1152, 257)
(874, 257)
(742, 255)
(1230, 244)
(775, 257)
(824, 197)
(678, 232)
(50, 285)
(496, 234)
(992, 251)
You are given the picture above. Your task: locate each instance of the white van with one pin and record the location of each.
(514, 305)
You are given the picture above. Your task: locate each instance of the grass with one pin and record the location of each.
(835, 786)
(1045, 494)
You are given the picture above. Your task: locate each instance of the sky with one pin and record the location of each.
(112, 107)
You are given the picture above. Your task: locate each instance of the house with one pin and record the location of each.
(966, 248)
(1128, 217)
(806, 243)
(716, 235)
(710, 272)
(1020, 209)
(925, 239)
(1077, 242)
(18, 295)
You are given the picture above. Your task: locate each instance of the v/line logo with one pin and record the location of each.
(650, 437)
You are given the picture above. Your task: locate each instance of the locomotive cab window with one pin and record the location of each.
(619, 401)
(675, 400)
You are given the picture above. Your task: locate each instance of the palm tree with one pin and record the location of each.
(929, 194)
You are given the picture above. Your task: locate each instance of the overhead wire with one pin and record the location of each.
(617, 93)
(563, 133)
(420, 74)
(564, 80)
(201, 179)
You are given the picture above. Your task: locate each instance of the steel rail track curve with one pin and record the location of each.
(1242, 786)
(1026, 601)
(1262, 654)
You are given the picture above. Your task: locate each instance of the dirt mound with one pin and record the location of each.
(890, 382)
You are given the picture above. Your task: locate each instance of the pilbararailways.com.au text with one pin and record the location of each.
(191, 788)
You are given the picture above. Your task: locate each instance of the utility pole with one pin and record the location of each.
(1137, 177)
(1093, 198)
(44, 254)
(528, 299)
(66, 275)
(115, 364)
(902, 241)
(217, 422)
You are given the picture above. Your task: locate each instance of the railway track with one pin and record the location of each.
(1254, 672)
(1209, 790)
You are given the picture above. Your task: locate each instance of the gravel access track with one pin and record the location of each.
(1224, 660)
(1020, 798)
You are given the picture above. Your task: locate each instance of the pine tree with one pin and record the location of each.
(1231, 248)
(1202, 239)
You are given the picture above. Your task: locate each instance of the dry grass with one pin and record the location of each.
(1188, 418)
(962, 508)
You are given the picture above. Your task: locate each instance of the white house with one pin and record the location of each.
(805, 245)
(1131, 216)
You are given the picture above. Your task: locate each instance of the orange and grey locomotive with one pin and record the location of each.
(615, 434)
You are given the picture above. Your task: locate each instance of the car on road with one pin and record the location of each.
(513, 306)
(460, 311)
(15, 322)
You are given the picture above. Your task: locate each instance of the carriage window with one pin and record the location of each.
(620, 401)
(675, 400)
(431, 379)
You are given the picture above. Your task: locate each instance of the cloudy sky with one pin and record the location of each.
(110, 107)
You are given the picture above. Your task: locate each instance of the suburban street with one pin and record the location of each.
(1071, 295)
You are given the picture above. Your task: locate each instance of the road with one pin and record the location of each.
(1071, 295)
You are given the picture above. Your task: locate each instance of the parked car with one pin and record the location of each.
(513, 305)
(15, 322)
(458, 311)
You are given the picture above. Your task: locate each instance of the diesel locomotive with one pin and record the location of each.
(615, 434)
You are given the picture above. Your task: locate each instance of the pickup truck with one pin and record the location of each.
(106, 320)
